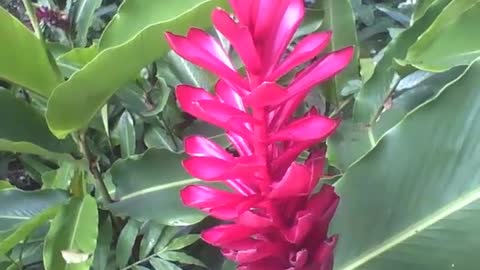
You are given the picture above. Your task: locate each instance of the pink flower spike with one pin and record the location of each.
(243, 10)
(198, 146)
(208, 168)
(265, 95)
(295, 182)
(207, 56)
(240, 38)
(303, 224)
(228, 95)
(251, 250)
(324, 254)
(323, 70)
(206, 107)
(315, 163)
(289, 23)
(275, 222)
(308, 48)
(306, 129)
(203, 197)
(265, 17)
(226, 234)
(215, 169)
(323, 202)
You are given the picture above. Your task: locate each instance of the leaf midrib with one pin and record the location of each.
(158, 188)
(77, 222)
(414, 229)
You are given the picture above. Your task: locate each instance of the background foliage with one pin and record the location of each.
(91, 136)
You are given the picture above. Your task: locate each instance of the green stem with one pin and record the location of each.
(341, 106)
(38, 32)
(33, 19)
(371, 137)
(92, 164)
(146, 259)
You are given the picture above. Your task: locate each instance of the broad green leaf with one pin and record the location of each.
(104, 241)
(125, 132)
(26, 228)
(451, 40)
(83, 18)
(212, 132)
(377, 89)
(339, 19)
(13, 266)
(72, 238)
(352, 140)
(24, 59)
(150, 239)
(133, 39)
(367, 67)
(158, 137)
(180, 257)
(139, 267)
(154, 178)
(312, 22)
(413, 202)
(4, 184)
(24, 130)
(20, 206)
(159, 264)
(421, 7)
(176, 70)
(132, 97)
(60, 178)
(228, 265)
(125, 242)
(182, 242)
(394, 13)
(75, 59)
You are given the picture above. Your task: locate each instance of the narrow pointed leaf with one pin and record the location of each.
(125, 243)
(26, 228)
(104, 242)
(83, 17)
(340, 19)
(71, 242)
(125, 133)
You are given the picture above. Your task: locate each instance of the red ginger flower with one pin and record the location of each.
(275, 221)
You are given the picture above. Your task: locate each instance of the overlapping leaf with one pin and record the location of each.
(451, 40)
(148, 186)
(376, 90)
(24, 61)
(413, 202)
(134, 39)
(24, 130)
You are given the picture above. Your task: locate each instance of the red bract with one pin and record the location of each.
(274, 219)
